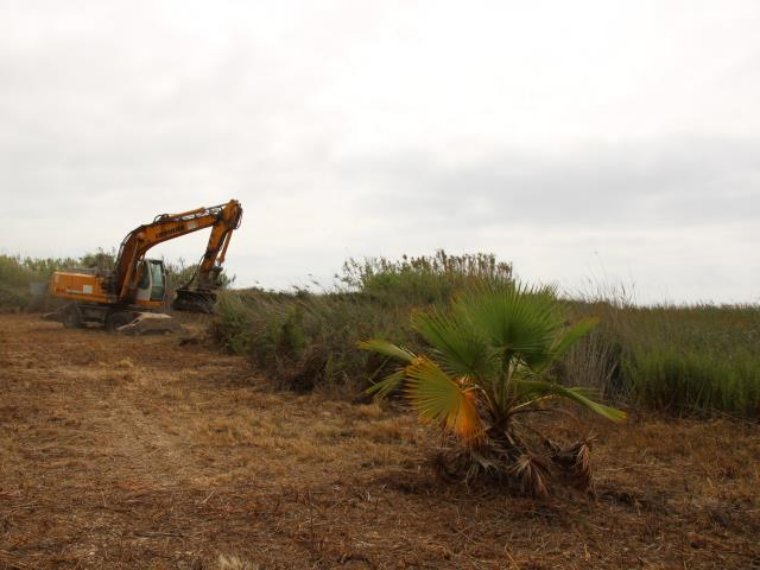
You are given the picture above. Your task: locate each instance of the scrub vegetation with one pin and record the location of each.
(682, 360)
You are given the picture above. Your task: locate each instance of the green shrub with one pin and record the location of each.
(16, 276)
(302, 341)
(423, 280)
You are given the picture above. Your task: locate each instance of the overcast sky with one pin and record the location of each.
(593, 144)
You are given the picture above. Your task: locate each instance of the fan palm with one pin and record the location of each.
(488, 366)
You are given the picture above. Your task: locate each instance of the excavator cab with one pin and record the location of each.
(152, 284)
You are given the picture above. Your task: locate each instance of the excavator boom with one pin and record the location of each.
(223, 219)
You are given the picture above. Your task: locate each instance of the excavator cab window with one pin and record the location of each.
(158, 279)
(142, 271)
(152, 282)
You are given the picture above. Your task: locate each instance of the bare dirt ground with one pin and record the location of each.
(120, 452)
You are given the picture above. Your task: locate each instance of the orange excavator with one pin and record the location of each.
(137, 285)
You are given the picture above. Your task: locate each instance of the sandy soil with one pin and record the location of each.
(119, 452)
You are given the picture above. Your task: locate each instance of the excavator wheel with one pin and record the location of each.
(72, 317)
(116, 319)
(194, 301)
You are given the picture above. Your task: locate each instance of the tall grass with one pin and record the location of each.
(694, 358)
(681, 360)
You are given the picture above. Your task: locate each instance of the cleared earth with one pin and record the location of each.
(119, 452)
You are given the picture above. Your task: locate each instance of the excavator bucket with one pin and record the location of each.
(194, 301)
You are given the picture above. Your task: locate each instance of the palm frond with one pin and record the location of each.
(460, 348)
(387, 349)
(389, 384)
(573, 335)
(533, 474)
(574, 461)
(540, 389)
(518, 320)
(438, 398)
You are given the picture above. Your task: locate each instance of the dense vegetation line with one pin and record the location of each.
(676, 359)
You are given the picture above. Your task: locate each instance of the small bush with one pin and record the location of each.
(486, 369)
(302, 341)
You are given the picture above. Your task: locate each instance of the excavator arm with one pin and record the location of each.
(223, 220)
